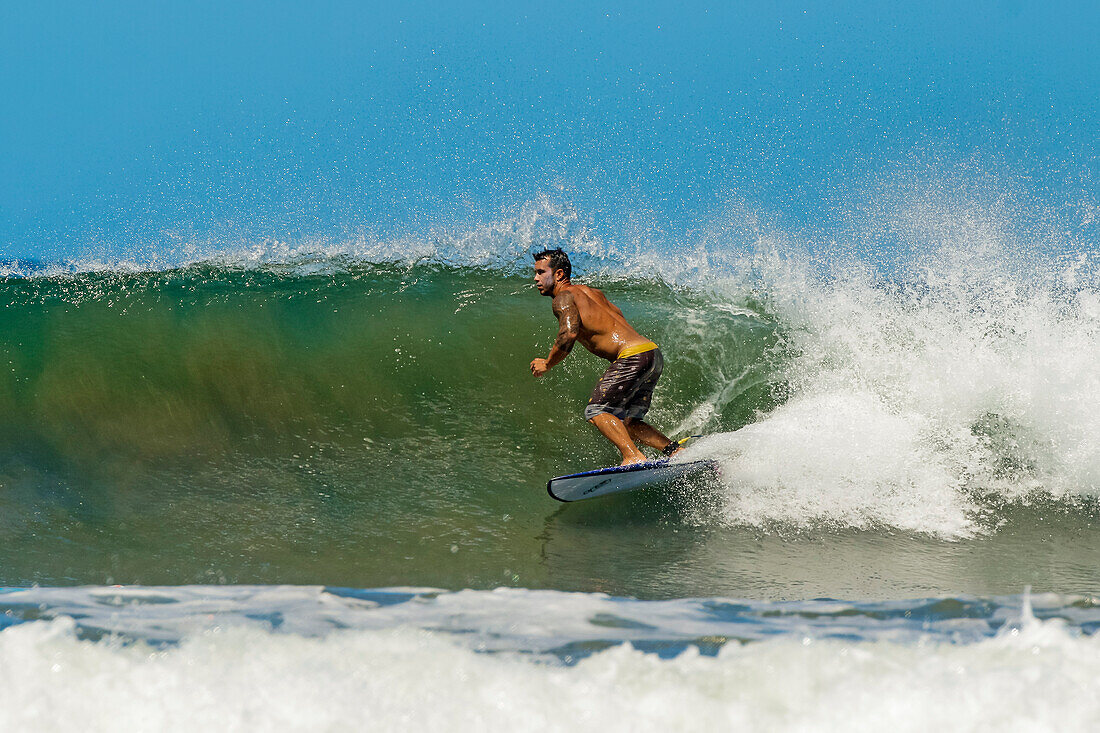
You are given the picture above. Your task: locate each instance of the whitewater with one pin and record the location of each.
(316, 659)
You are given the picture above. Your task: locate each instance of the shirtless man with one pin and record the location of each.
(621, 397)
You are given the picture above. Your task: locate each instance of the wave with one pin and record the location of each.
(837, 392)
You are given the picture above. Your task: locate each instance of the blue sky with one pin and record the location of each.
(125, 119)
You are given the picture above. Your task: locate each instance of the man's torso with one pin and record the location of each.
(603, 329)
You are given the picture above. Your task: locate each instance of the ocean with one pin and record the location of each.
(272, 458)
(288, 487)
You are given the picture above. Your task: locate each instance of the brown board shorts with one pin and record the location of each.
(626, 388)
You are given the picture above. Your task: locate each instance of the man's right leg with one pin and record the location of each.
(614, 430)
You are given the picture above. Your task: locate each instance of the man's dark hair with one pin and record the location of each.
(558, 260)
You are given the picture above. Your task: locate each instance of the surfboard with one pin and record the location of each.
(604, 481)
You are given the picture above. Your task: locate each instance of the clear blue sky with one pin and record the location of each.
(123, 119)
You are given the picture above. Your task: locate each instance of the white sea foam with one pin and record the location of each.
(840, 458)
(971, 376)
(1032, 677)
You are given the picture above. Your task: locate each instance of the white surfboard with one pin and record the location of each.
(604, 481)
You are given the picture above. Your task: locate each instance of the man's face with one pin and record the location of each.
(544, 277)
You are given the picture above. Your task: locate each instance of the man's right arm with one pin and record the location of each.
(569, 325)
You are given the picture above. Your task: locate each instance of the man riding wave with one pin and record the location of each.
(621, 398)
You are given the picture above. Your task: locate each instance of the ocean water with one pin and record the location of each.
(904, 514)
(271, 457)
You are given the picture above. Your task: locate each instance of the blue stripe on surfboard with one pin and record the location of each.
(661, 466)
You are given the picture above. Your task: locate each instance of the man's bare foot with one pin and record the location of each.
(633, 461)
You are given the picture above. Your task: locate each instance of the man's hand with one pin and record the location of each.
(539, 367)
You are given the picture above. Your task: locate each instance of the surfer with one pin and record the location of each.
(621, 398)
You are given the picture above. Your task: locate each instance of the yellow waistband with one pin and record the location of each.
(635, 350)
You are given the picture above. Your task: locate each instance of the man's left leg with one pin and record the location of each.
(643, 432)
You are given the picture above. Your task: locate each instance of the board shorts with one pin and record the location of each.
(626, 388)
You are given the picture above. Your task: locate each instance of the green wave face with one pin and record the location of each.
(370, 426)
